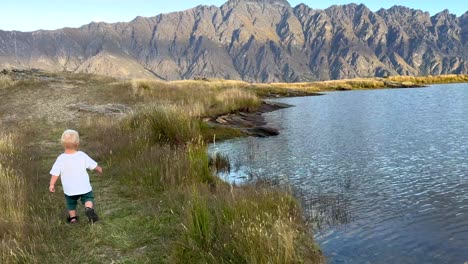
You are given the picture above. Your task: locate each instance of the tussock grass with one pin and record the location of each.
(334, 85)
(12, 186)
(166, 123)
(164, 167)
(199, 98)
(13, 204)
(361, 83)
(6, 81)
(7, 147)
(450, 78)
(252, 224)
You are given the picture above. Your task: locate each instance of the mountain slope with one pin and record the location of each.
(253, 40)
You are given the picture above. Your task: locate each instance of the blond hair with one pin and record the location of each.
(70, 139)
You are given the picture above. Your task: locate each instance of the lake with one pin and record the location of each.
(383, 174)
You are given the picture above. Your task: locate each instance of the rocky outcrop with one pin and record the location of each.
(252, 40)
(251, 123)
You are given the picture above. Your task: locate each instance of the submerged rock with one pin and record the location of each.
(263, 131)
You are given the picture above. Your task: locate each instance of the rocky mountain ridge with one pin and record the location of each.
(252, 40)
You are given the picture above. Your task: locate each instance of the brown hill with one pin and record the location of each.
(252, 40)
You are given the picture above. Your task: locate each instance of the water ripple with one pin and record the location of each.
(383, 174)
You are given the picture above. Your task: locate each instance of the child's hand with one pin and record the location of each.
(52, 188)
(98, 169)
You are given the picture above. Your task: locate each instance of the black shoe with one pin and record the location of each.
(91, 214)
(72, 220)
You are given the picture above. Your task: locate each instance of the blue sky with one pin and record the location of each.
(29, 15)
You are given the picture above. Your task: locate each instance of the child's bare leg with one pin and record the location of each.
(89, 204)
(72, 213)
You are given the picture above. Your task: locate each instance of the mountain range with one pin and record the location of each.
(252, 40)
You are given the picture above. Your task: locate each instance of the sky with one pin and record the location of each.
(30, 15)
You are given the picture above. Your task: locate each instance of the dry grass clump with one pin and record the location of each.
(13, 204)
(333, 85)
(166, 123)
(236, 99)
(6, 81)
(164, 167)
(212, 83)
(450, 78)
(252, 224)
(199, 98)
(7, 148)
(12, 185)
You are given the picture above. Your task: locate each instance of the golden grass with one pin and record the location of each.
(250, 224)
(13, 204)
(334, 85)
(6, 81)
(199, 98)
(366, 83)
(12, 186)
(449, 78)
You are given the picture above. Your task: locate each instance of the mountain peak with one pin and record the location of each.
(264, 2)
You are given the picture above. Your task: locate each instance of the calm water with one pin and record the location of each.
(383, 172)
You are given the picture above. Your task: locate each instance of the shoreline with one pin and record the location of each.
(254, 124)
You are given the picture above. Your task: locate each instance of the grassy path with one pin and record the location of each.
(132, 229)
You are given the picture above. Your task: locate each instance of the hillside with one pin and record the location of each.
(252, 40)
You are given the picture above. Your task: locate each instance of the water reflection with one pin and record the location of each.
(382, 174)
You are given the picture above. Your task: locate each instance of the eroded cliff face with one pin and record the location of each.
(253, 40)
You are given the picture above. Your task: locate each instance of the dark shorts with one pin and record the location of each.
(72, 201)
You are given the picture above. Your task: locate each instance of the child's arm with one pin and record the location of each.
(53, 180)
(92, 165)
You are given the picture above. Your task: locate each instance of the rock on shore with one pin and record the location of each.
(251, 123)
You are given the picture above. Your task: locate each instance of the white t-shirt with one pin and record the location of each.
(72, 170)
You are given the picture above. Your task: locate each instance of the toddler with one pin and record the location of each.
(71, 167)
